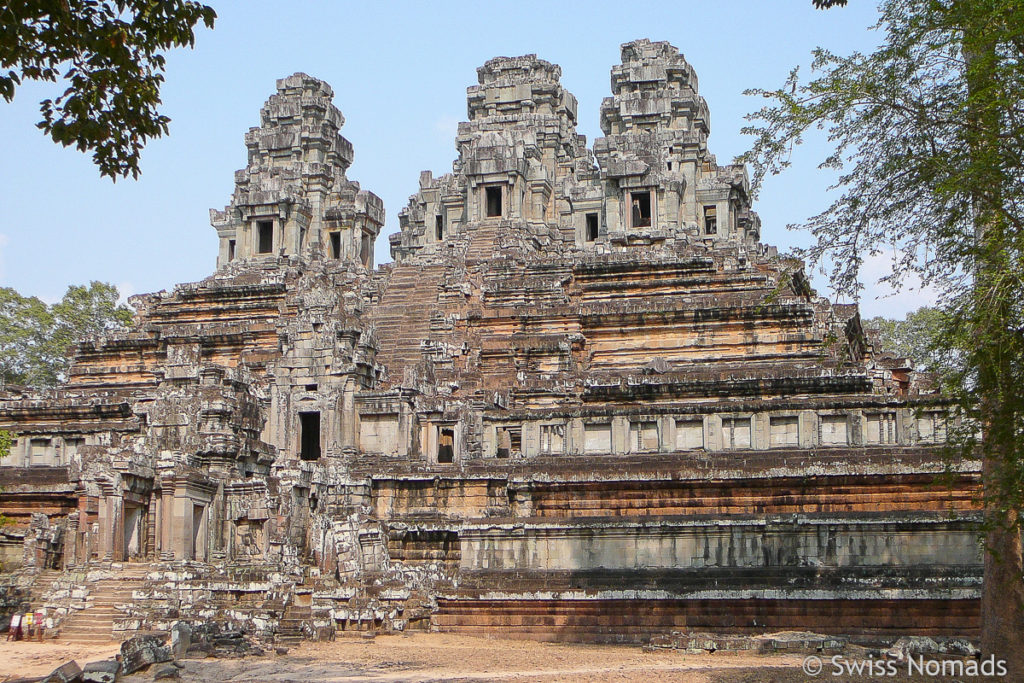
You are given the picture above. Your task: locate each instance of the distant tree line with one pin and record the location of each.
(36, 339)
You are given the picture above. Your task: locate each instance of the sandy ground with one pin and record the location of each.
(25, 658)
(442, 657)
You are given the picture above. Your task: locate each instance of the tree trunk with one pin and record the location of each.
(1002, 602)
(1002, 620)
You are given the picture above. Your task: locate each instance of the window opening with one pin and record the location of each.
(439, 227)
(597, 438)
(689, 434)
(735, 432)
(832, 430)
(552, 438)
(881, 428)
(265, 237)
(446, 446)
(364, 250)
(710, 220)
(493, 195)
(510, 441)
(231, 250)
(591, 227)
(643, 436)
(335, 245)
(784, 431)
(40, 451)
(309, 435)
(641, 209)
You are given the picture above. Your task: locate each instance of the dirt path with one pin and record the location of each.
(437, 657)
(441, 657)
(28, 659)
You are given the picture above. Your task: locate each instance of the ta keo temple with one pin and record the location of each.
(584, 402)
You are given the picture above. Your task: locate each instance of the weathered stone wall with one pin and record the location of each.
(584, 402)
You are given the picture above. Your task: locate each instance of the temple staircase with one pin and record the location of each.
(95, 624)
(403, 316)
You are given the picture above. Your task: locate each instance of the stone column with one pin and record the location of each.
(348, 415)
(166, 522)
(117, 534)
(107, 527)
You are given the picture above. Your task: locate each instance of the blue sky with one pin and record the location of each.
(399, 72)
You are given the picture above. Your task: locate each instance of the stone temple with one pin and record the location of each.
(584, 402)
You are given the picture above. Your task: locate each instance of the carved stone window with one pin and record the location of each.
(735, 432)
(640, 209)
(880, 428)
(264, 237)
(445, 445)
(552, 438)
(710, 220)
(689, 434)
(492, 195)
(592, 227)
(784, 431)
(643, 436)
(309, 435)
(833, 430)
(597, 438)
(931, 427)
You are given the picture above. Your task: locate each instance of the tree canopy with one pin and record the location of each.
(927, 136)
(109, 53)
(917, 336)
(36, 339)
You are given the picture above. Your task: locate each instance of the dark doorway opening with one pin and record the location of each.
(641, 209)
(710, 220)
(231, 250)
(439, 227)
(309, 435)
(265, 237)
(591, 227)
(446, 446)
(335, 245)
(493, 202)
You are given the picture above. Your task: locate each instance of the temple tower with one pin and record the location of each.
(292, 198)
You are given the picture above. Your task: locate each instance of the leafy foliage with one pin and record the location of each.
(109, 53)
(927, 136)
(36, 339)
(918, 337)
(930, 168)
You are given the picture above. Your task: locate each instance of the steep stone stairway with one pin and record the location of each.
(403, 316)
(483, 239)
(291, 630)
(95, 624)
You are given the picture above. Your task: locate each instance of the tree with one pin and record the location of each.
(928, 138)
(109, 53)
(918, 337)
(36, 339)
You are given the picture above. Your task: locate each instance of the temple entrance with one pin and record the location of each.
(134, 532)
(199, 532)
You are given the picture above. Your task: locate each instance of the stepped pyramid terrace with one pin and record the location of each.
(584, 402)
